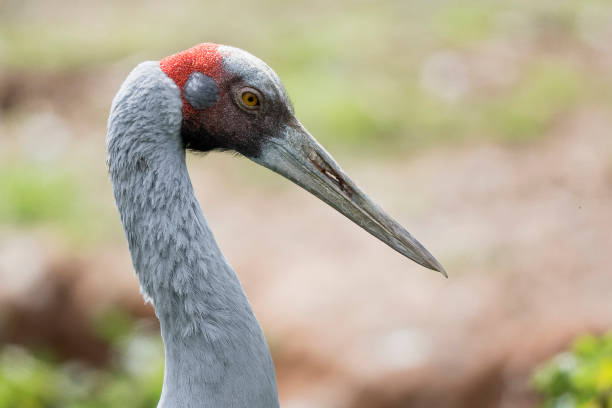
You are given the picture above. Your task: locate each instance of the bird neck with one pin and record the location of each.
(215, 351)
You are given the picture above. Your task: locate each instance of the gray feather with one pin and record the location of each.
(216, 354)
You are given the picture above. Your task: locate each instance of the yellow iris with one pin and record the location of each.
(250, 99)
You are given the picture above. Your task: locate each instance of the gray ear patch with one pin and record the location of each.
(201, 91)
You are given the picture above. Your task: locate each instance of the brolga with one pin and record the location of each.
(214, 97)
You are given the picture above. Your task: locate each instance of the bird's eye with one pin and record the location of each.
(250, 99)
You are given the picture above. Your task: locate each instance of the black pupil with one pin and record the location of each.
(251, 99)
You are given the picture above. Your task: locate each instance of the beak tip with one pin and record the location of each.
(413, 250)
(298, 157)
(434, 265)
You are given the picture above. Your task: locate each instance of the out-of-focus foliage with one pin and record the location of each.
(524, 112)
(580, 377)
(54, 196)
(133, 380)
(24, 189)
(384, 75)
(372, 75)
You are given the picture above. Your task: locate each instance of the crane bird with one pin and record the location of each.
(214, 97)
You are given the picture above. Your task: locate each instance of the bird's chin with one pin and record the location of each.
(297, 156)
(197, 138)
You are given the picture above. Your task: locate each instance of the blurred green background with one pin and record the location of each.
(484, 125)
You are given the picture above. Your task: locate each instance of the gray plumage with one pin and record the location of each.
(216, 354)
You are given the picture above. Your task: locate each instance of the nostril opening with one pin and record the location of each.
(326, 169)
(333, 176)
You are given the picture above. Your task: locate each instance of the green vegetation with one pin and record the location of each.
(580, 377)
(53, 196)
(354, 70)
(33, 195)
(546, 92)
(133, 380)
(464, 23)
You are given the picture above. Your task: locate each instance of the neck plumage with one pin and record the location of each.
(216, 355)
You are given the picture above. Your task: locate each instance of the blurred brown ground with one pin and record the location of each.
(523, 232)
(523, 229)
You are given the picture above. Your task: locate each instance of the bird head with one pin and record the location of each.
(234, 101)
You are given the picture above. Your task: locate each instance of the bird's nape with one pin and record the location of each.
(296, 155)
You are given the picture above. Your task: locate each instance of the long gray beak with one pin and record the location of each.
(300, 158)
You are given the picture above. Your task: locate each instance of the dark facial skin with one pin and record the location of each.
(232, 125)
